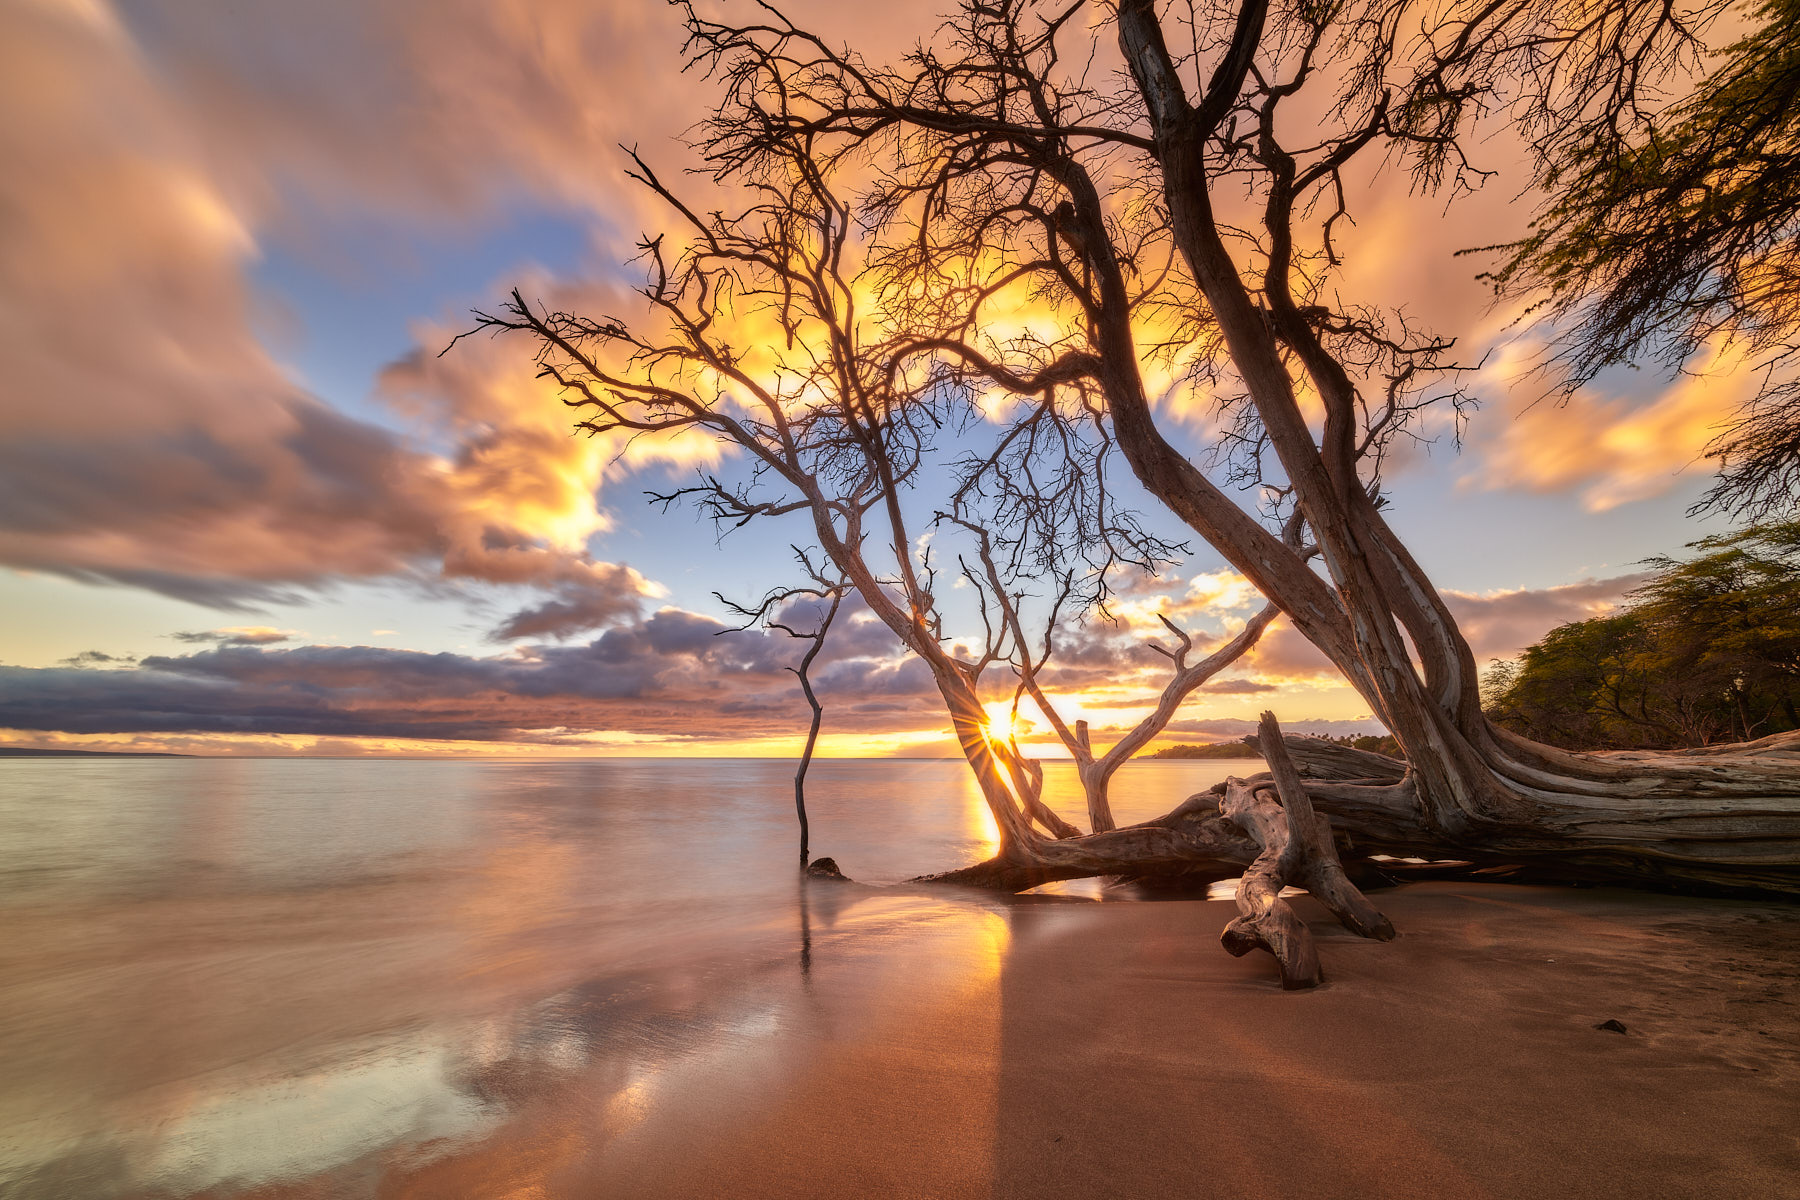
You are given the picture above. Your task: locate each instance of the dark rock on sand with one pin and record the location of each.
(825, 868)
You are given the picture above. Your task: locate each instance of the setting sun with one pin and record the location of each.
(1003, 726)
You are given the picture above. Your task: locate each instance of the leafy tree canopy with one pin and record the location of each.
(1684, 236)
(1708, 650)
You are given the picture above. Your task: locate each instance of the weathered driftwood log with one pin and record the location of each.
(1716, 821)
(1194, 835)
(1720, 820)
(1298, 851)
(1316, 758)
(1266, 921)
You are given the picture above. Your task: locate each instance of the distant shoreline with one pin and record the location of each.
(1231, 750)
(29, 752)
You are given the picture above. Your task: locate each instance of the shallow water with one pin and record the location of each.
(223, 976)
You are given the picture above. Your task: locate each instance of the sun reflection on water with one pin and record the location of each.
(979, 825)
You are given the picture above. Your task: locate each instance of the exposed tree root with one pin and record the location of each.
(1722, 819)
(1268, 830)
(1193, 836)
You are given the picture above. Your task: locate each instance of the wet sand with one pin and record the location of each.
(338, 979)
(1065, 1049)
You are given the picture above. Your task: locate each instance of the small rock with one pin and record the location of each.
(1612, 1025)
(825, 868)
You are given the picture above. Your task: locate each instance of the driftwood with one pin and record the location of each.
(1297, 851)
(1317, 758)
(1265, 827)
(1194, 837)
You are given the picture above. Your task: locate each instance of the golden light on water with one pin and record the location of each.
(979, 825)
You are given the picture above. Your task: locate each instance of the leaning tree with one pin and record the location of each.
(996, 237)
(756, 331)
(1181, 213)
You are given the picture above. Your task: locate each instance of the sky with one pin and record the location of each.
(246, 507)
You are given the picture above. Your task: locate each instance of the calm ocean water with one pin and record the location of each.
(313, 976)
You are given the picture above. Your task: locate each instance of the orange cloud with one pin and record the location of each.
(152, 439)
(1609, 449)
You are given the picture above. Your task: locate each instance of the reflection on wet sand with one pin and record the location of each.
(214, 1014)
(617, 1077)
(678, 1091)
(307, 980)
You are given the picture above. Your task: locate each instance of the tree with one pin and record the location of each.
(839, 428)
(1732, 613)
(1679, 230)
(1707, 651)
(1095, 770)
(988, 177)
(839, 423)
(1195, 227)
(1604, 684)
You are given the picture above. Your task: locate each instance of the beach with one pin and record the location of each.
(1113, 1050)
(256, 981)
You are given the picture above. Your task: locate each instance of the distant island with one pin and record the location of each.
(1371, 742)
(32, 752)
(1207, 750)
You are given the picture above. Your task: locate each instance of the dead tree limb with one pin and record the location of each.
(826, 588)
(817, 637)
(1298, 851)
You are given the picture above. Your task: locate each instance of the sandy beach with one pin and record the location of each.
(1062, 1049)
(285, 981)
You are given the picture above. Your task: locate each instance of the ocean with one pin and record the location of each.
(318, 977)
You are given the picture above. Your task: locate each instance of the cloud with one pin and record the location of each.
(237, 635)
(1239, 687)
(423, 107)
(1496, 624)
(1219, 592)
(1501, 624)
(1610, 448)
(609, 594)
(96, 658)
(673, 674)
(152, 440)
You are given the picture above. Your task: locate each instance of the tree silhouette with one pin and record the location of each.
(897, 224)
(1176, 212)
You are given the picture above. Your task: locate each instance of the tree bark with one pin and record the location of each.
(1469, 788)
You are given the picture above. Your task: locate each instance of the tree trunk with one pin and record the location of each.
(1268, 827)
(1468, 789)
(818, 717)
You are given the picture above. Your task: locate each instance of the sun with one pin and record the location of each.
(1002, 726)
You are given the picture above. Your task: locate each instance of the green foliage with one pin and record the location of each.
(1686, 234)
(1206, 750)
(1708, 650)
(1383, 744)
